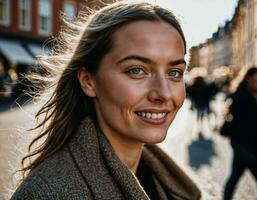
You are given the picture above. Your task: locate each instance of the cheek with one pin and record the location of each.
(120, 93)
(179, 95)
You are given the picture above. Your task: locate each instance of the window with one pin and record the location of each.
(4, 12)
(44, 17)
(69, 10)
(24, 15)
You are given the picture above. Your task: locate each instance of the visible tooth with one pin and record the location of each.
(160, 115)
(148, 115)
(154, 116)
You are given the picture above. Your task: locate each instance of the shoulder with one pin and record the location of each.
(242, 97)
(33, 188)
(57, 177)
(241, 94)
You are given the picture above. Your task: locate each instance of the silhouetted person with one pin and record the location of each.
(200, 94)
(241, 127)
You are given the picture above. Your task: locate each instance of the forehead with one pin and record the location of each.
(148, 35)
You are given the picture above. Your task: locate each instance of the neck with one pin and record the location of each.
(128, 152)
(130, 156)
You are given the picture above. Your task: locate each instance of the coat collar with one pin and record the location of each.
(102, 170)
(106, 175)
(175, 182)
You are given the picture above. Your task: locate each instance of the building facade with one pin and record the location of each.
(222, 47)
(25, 25)
(234, 45)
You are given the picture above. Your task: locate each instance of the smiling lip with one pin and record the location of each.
(153, 116)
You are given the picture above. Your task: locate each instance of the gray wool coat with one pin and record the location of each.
(88, 168)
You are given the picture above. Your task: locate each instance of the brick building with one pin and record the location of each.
(234, 45)
(25, 25)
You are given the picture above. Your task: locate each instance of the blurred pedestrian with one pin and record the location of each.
(115, 97)
(199, 99)
(201, 94)
(241, 127)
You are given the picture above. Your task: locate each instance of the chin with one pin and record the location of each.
(155, 139)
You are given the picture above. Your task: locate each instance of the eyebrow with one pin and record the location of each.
(149, 61)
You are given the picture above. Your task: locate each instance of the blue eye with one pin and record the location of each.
(175, 74)
(135, 71)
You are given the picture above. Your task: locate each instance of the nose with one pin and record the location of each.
(160, 90)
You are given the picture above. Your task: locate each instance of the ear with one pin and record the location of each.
(86, 82)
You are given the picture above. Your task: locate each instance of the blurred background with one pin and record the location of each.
(222, 45)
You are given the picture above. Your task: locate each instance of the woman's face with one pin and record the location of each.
(139, 86)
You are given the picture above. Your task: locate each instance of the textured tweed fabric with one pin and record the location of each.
(88, 168)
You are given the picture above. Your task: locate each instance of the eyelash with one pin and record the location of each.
(130, 71)
(180, 74)
(141, 72)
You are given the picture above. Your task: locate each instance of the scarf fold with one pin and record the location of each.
(173, 180)
(108, 178)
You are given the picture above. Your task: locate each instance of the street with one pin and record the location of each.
(206, 158)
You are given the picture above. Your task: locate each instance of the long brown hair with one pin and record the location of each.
(83, 43)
